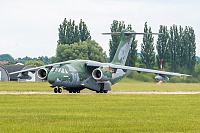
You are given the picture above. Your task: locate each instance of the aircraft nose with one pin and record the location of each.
(51, 79)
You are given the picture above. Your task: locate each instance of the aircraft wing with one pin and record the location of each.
(146, 70)
(36, 68)
(114, 66)
(27, 70)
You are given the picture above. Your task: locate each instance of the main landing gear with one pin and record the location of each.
(58, 90)
(74, 91)
(102, 89)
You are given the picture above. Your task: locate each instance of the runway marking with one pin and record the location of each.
(115, 93)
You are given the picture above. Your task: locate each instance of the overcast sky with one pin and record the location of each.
(30, 27)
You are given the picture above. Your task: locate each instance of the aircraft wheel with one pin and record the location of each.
(70, 91)
(78, 91)
(59, 90)
(55, 90)
(97, 91)
(105, 91)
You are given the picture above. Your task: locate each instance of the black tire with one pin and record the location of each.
(70, 91)
(55, 90)
(59, 90)
(105, 91)
(97, 91)
(101, 91)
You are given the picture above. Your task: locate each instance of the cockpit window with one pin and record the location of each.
(53, 69)
(62, 70)
(56, 69)
(66, 71)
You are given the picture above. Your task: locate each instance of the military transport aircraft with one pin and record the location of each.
(75, 75)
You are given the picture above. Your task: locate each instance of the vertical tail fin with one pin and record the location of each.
(123, 49)
(124, 45)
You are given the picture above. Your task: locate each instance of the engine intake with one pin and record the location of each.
(42, 73)
(161, 78)
(102, 74)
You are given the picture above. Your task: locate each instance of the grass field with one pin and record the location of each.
(100, 112)
(124, 85)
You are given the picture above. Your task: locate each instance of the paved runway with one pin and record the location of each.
(115, 93)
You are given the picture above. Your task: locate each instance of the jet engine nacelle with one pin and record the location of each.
(24, 76)
(161, 78)
(101, 74)
(43, 73)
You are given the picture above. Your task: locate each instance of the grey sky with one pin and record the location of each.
(30, 27)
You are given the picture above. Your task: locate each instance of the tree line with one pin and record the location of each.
(176, 47)
(41, 60)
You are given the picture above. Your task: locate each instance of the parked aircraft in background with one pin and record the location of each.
(75, 75)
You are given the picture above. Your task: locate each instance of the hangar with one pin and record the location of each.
(12, 68)
(4, 76)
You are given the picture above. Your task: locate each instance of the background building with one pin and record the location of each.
(5, 70)
(4, 76)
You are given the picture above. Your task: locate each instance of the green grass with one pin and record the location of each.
(25, 86)
(132, 85)
(99, 113)
(125, 85)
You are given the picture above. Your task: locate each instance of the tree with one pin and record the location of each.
(44, 59)
(162, 47)
(192, 50)
(62, 32)
(95, 51)
(116, 26)
(86, 50)
(147, 48)
(35, 63)
(69, 32)
(174, 48)
(184, 47)
(6, 57)
(132, 56)
(84, 33)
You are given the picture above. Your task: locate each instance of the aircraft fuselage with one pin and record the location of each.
(74, 75)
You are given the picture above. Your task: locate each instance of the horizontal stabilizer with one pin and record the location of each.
(130, 33)
(112, 33)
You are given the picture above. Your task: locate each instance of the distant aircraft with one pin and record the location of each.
(75, 75)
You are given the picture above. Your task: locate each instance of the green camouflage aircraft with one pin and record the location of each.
(75, 75)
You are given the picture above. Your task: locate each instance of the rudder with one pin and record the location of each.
(123, 48)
